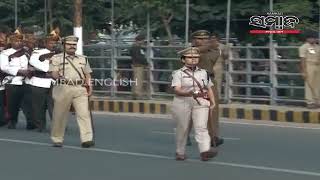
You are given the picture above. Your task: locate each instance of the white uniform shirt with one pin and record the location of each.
(12, 67)
(40, 66)
(181, 79)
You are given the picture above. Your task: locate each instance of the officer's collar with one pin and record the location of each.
(75, 56)
(189, 68)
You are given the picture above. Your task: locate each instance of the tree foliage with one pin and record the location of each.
(167, 17)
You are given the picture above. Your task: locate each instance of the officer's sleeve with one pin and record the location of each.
(5, 67)
(87, 69)
(176, 79)
(36, 63)
(302, 52)
(55, 64)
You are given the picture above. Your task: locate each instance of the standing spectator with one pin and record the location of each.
(309, 54)
(140, 68)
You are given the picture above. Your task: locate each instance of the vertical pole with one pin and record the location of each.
(77, 29)
(187, 23)
(113, 51)
(45, 18)
(149, 59)
(319, 20)
(271, 57)
(50, 14)
(15, 14)
(227, 86)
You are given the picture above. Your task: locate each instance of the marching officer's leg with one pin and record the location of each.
(39, 99)
(213, 122)
(218, 76)
(14, 96)
(26, 106)
(200, 120)
(50, 103)
(2, 112)
(182, 114)
(62, 102)
(81, 106)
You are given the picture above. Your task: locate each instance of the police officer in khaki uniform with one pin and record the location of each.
(218, 68)
(72, 88)
(193, 98)
(208, 59)
(309, 54)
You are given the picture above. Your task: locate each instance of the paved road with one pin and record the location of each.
(130, 147)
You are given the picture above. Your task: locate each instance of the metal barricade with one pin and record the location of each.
(252, 75)
(256, 75)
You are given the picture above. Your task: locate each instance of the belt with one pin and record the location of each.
(40, 74)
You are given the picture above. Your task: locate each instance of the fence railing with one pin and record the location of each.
(259, 74)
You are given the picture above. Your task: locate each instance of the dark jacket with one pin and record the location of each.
(136, 56)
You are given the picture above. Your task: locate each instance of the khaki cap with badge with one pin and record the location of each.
(71, 39)
(190, 51)
(200, 34)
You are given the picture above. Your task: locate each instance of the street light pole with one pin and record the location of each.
(187, 23)
(45, 17)
(15, 14)
(77, 29)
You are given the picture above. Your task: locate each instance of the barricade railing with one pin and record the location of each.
(251, 74)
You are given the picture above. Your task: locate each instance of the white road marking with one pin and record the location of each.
(246, 166)
(172, 133)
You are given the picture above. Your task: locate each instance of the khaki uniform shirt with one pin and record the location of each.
(181, 79)
(310, 52)
(208, 59)
(79, 61)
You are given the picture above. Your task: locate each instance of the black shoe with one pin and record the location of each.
(31, 126)
(87, 144)
(57, 144)
(207, 155)
(12, 126)
(216, 141)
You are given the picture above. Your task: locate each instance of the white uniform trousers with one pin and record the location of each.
(185, 110)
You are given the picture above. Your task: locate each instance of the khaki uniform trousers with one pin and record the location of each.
(218, 75)
(63, 96)
(213, 119)
(186, 110)
(139, 75)
(312, 83)
(213, 122)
